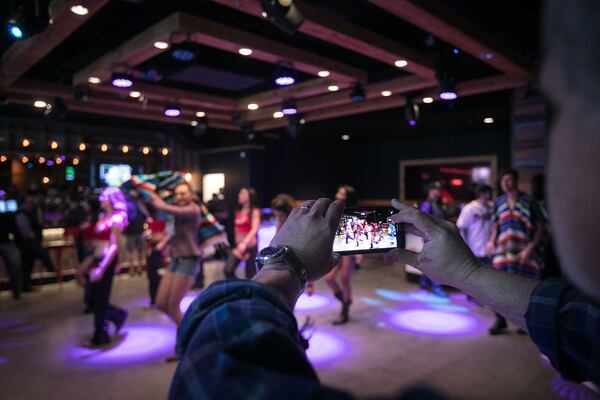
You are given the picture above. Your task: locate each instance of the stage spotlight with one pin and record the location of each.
(358, 93)
(185, 51)
(201, 127)
(27, 18)
(283, 14)
(172, 110)
(289, 108)
(294, 126)
(412, 114)
(81, 94)
(285, 76)
(56, 110)
(248, 133)
(447, 85)
(121, 80)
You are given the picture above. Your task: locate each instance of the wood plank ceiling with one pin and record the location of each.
(313, 98)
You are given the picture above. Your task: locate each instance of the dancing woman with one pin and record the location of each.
(247, 222)
(101, 267)
(347, 263)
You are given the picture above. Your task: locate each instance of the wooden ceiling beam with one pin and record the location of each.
(372, 91)
(310, 88)
(434, 17)
(201, 101)
(31, 91)
(339, 32)
(141, 48)
(24, 54)
(210, 33)
(467, 88)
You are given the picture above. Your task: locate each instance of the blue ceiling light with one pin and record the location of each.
(184, 52)
(358, 93)
(15, 31)
(172, 110)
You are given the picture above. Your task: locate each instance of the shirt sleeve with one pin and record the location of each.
(565, 325)
(239, 339)
(464, 219)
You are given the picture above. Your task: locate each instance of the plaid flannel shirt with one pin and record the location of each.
(565, 325)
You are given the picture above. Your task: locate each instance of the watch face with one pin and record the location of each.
(272, 251)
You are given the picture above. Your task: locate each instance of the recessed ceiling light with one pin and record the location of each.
(200, 114)
(488, 120)
(323, 74)
(135, 94)
(161, 45)
(333, 88)
(400, 63)
(79, 10)
(345, 137)
(194, 123)
(302, 121)
(386, 93)
(94, 79)
(40, 104)
(245, 51)
(427, 100)
(252, 106)
(278, 114)
(264, 14)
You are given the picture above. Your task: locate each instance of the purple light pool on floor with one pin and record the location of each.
(437, 323)
(9, 323)
(311, 303)
(325, 348)
(141, 343)
(186, 301)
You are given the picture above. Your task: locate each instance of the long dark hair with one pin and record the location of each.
(351, 197)
(252, 197)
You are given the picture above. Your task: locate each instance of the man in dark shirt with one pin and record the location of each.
(29, 241)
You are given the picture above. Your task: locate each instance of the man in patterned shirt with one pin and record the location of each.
(516, 235)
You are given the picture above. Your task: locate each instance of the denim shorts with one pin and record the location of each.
(187, 266)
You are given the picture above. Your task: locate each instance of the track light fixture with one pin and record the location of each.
(283, 14)
(412, 113)
(27, 18)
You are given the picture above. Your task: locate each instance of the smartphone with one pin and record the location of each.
(367, 230)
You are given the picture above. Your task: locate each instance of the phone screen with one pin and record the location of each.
(367, 230)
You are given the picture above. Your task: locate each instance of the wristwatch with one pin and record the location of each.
(279, 257)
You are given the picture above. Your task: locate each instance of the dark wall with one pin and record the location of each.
(310, 167)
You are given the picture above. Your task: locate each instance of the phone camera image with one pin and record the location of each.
(366, 230)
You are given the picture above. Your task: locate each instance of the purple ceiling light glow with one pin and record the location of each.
(435, 323)
(412, 122)
(172, 111)
(325, 348)
(289, 108)
(141, 344)
(285, 80)
(311, 303)
(122, 80)
(447, 95)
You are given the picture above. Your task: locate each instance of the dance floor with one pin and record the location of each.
(398, 335)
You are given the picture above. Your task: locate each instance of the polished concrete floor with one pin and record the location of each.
(398, 336)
